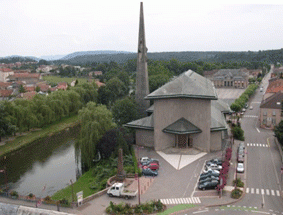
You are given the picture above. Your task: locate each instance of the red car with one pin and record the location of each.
(152, 166)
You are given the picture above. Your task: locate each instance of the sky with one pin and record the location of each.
(60, 27)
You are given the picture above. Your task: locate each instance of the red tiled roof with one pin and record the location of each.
(6, 93)
(275, 86)
(62, 85)
(26, 75)
(29, 89)
(6, 70)
(29, 95)
(44, 87)
(4, 84)
(99, 84)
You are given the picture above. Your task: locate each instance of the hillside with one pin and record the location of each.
(269, 56)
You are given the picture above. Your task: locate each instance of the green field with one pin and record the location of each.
(57, 79)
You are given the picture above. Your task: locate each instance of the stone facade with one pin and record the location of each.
(145, 138)
(231, 78)
(167, 111)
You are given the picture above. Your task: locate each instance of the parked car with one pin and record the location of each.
(261, 89)
(241, 159)
(147, 160)
(242, 145)
(215, 161)
(251, 107)
(152, 166)
(246, 105)
(208, 174)
(241, 151)
(244, 109)
(210, 170)
(208, 185)
(240, 167)
(213, 166)
(149, 172)
(210, 178)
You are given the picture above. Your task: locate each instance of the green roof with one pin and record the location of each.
(143, 123)
(187, 85)
(182, 126)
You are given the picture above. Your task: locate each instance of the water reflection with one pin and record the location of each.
(42, 168)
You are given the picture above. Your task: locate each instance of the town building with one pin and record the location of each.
(231, 78)
(186, 113)
(275, 85)
(5, 73)
(271, 110)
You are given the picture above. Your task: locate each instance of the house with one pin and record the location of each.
(5, 73)
(43, 87)
(62, 86)
(278, 71)
(28, 95)
(236, 78)
(5, 94)
(274, 86)
(5, 85)
(186, 113)
(29, 88)
(27, 78)
(271, 110)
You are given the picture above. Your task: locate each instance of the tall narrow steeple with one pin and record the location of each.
(142, 86)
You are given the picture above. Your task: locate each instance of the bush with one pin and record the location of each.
(146, 208)
(14, 193)
(30, 195)
(239, 182)
(238, 133)
(236, 193)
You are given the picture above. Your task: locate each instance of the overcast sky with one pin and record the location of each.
(58, 27)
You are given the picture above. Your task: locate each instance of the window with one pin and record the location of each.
(274, 113)
(265, 113)
(273, 121)
(264, 121)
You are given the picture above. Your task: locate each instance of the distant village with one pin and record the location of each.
(26, 83)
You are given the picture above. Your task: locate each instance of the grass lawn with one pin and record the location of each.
(82, 184)
(32, 136)
(177, 208)
(57, 79)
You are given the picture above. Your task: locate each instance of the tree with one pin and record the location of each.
(238, 133)
(6, 127)
(104, 95)
(95, 121)
(124, 110)
(278, 131)
(22, 89)
(117, 89)
(37, 89)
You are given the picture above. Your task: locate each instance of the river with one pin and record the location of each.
(42, 168)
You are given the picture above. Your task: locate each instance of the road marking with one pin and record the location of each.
(261, 212)
(262, 191)
(252, 190)
(257, 144)
(257, 191)
(200, 211)
(267, 192)
(272, 193)
(247, 190)
(258, 130)
(260, 145)
(277, 192)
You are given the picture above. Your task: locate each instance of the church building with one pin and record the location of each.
(185, 113)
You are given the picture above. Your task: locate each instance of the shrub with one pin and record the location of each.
(14, 193)
(238, 133)
(239, 182)
(236, 193)
(30, 195)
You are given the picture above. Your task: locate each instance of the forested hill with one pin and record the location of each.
(269, 56)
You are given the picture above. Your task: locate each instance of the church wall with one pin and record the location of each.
(145, 137)
(215, 140)
(167, 111)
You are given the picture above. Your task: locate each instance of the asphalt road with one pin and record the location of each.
(263, 162)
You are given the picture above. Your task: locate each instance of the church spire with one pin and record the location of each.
(142, 86)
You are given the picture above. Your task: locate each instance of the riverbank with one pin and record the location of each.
(15, 143)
